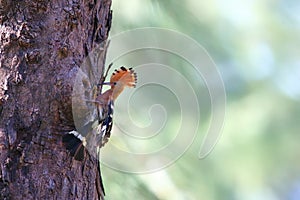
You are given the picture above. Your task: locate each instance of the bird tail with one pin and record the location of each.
(99, 180)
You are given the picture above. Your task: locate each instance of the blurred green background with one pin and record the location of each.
(256, 46)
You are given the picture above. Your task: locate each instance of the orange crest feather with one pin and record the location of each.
(123, 77)
(120, 79)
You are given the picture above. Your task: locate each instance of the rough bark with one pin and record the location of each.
(42, 46)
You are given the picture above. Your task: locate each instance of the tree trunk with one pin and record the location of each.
(42, 47)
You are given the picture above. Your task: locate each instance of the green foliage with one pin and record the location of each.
(255, 45)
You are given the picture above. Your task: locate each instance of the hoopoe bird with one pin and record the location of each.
(76, 141)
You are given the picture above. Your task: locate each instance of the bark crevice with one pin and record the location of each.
(42, 47)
